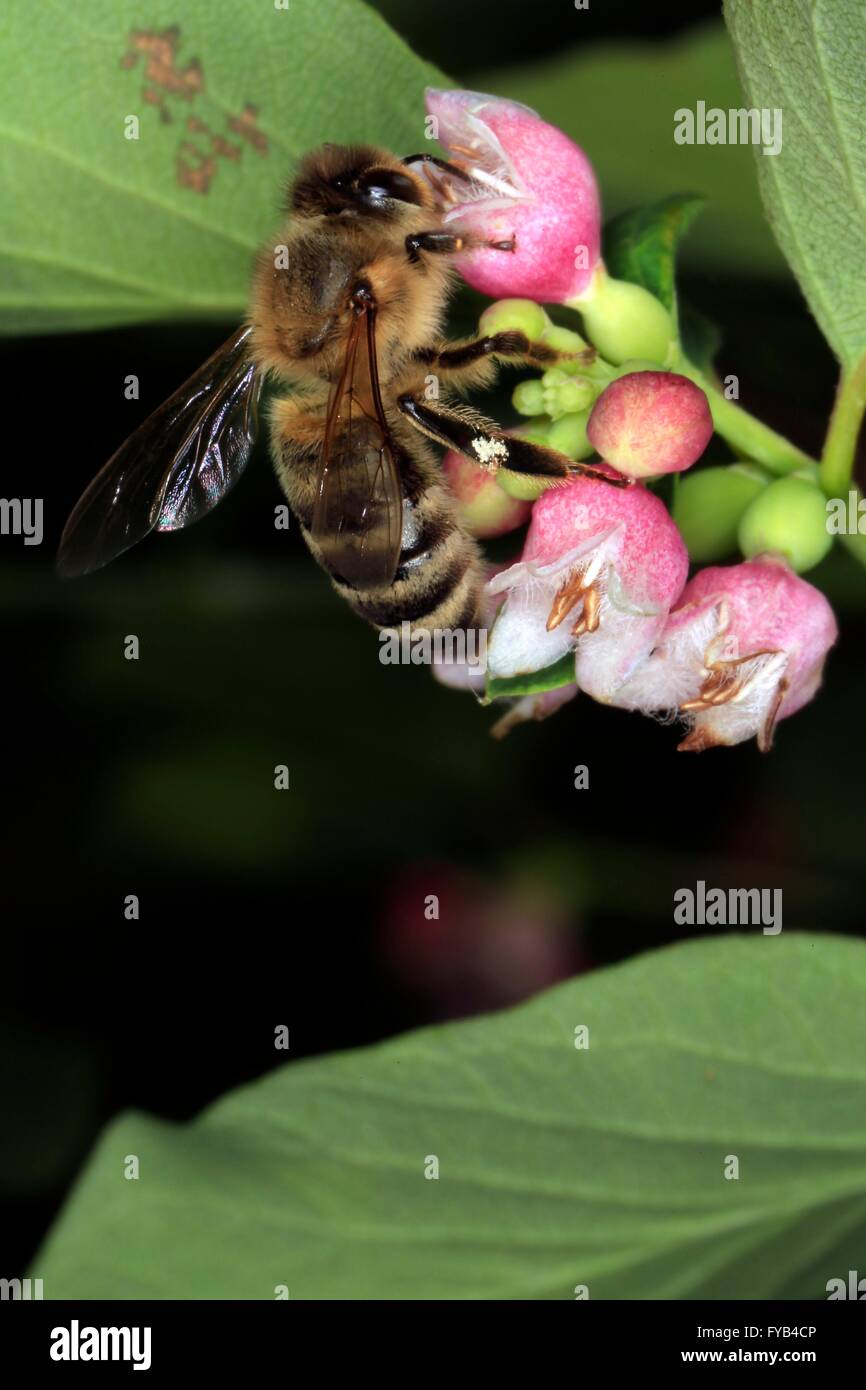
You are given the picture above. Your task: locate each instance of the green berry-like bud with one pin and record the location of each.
(528, 397)
(568, 436)
(564, 394)
(519, 486)
(523, 315)
(709, 503)
(624, 320)
(537, 431)
(788, 518)
(563, 339)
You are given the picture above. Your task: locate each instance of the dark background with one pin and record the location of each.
(307, 907)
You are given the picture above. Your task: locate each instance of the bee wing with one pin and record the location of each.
(176, 466)
(358, 512)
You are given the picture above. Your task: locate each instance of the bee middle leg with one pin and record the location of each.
(473, 362)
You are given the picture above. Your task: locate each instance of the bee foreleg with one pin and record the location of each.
(448, 244)
(444, 164)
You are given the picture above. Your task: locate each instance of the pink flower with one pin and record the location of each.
(531, 185)
(489, 943)
(744, 648)
(601, 568)
(647, 423)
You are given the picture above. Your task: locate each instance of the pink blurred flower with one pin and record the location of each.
(601, 568)
(475, 944)
(530, 184)
(648, 423)
(745, 647)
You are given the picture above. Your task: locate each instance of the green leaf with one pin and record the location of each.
(805, 59)
(641, 245)
(98, 229)
(618, 101)
(558, 1166)
(551, 678)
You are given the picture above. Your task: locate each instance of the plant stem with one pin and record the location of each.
(837, 460)
(746, 434)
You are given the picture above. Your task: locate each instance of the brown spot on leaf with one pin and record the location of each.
(159, 49)
(226, 148)
(166, 79)
(221, 147)
(195, 176)
(245, 126)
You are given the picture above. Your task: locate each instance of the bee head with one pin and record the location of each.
(340, 179)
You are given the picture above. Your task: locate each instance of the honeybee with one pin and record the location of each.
(347, 311)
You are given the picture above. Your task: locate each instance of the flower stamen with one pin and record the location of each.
(589, 618)
(724, 682)
(570, 593)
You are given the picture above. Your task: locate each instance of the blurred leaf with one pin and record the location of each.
(641, 245)
(104, 230)
(557, 1166)
(805, 59)
(700, 337)
(551, 678)
(618, 102)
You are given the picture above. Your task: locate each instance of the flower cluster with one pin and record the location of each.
(599, 600)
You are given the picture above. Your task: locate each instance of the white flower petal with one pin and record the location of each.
(520, 643)
(673, 673)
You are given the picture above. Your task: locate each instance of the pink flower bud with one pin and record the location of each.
(647, 423)
(484, 507)
(600, 570)
(530, 185)
(744, 648)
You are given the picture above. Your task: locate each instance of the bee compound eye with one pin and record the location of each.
(380, 184)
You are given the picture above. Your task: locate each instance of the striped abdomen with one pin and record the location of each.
(439, 577)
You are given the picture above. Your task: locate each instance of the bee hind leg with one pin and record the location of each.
(479, 439)
(483, 442)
